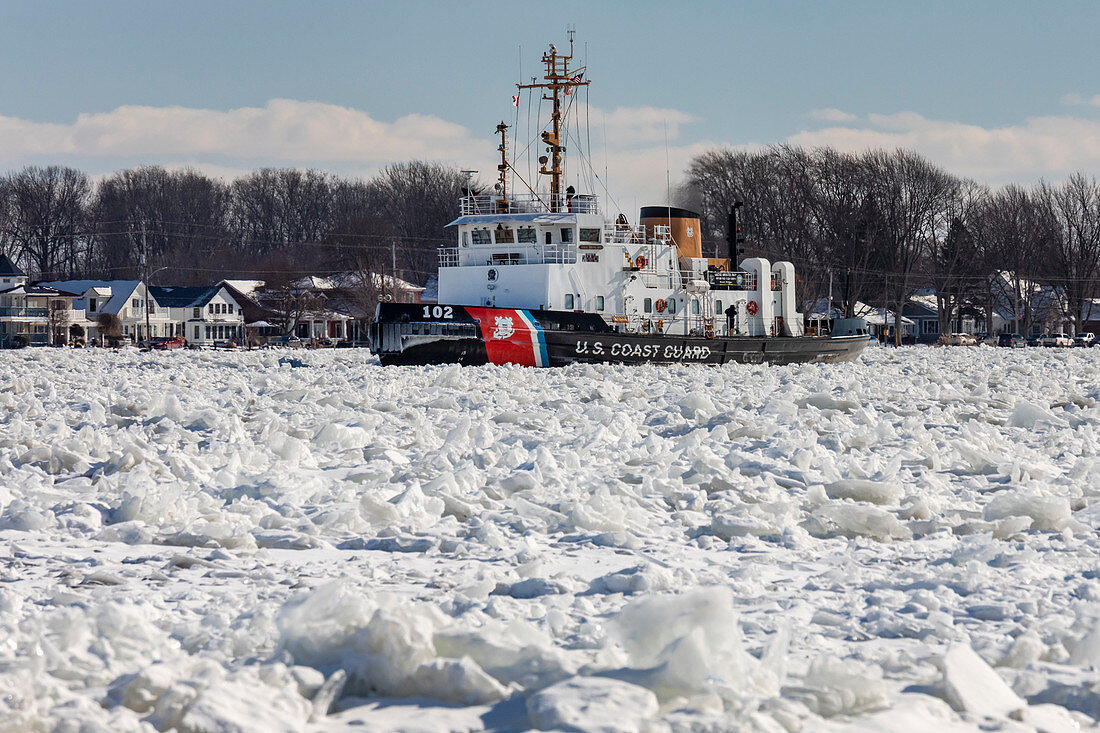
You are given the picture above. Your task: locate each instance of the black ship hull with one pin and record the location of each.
(407, 334)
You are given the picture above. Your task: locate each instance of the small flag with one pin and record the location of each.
(576, 78)
(515, 101)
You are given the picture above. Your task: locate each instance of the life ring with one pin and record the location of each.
(660, 305)
(640, 263)
(752, 307)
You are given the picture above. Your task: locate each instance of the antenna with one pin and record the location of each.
(469, 181)
(559, 80)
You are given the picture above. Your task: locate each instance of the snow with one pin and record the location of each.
(207, 541)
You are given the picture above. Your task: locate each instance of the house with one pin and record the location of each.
(32, 314)
(204, 316)
(127, 299)
(1030, 307)
(880, 321)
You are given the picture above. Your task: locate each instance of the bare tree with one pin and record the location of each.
(1075, 208)
(110, 328)
(46, 218)
(177, 216)
(273, 208)
(58, 317)
(421, 199)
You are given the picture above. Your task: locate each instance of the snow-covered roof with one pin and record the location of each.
(120, 291)
(874, 316)
(243, 286)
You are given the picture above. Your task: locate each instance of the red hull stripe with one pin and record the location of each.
(510, 336)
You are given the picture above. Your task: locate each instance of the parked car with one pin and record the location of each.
(985, 338)
(1011, 340)
(960, 339)
(1035, 340)
(1055, 339)
(165, 343)
(290, 341)
(1084, 339)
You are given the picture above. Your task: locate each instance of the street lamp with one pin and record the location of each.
(149, 299)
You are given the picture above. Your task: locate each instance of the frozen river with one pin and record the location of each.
(218, 541)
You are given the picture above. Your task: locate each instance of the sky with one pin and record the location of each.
(996, 91)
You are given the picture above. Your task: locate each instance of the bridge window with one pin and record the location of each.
(481, 236)
(527, 236)
(590, 235)
(569, 301)
(599, 302)
(566, 235)
(647, 305)
(671, 305)
(504, 235)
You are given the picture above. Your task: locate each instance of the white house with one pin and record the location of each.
(127, 299)
(33, 314)
(204, 316)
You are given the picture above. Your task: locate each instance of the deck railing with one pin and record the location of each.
(516, 254)
(529, 203)
(18, 312)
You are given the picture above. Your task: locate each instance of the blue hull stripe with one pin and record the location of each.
(544, 357)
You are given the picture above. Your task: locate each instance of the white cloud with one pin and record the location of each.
(1082, 100)
(1039, 147)
(831, 114)
(634, 125)
(229, 144)
(282, 130)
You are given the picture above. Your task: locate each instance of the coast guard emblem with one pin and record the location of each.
(504, 327)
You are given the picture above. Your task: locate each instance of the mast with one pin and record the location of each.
(502, 168)
(559, 81)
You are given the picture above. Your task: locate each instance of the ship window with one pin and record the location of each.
(481, 236)
(465, 239)
(504, 236)
(566, 235)
(527, 236)
(647, 305)
(590, 235)
(672, 305)
(599, 302)
(694, 307)
(569, 301)
(548, 236)
(718, 306)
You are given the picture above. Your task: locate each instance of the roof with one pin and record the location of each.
(7, 267)
(183, 297)
(538, 218)
(243, 286)
(120, 290)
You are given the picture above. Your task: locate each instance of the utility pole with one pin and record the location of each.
(145, 277)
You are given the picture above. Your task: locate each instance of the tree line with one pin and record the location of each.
(880, 224)
(273, 225)
(874, 226)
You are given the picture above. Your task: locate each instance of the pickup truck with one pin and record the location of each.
(1055, 339)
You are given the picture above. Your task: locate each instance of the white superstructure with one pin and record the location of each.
(636, 277)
